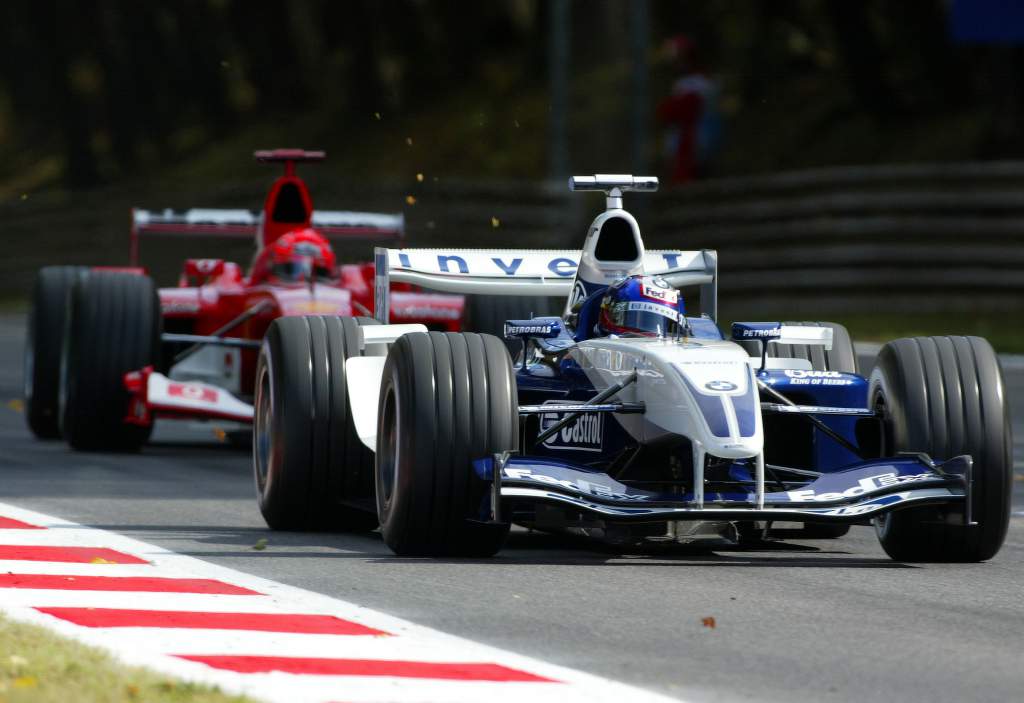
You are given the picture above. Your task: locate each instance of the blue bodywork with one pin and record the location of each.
(594, 467)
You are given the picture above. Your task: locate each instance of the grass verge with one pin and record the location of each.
(39, 666)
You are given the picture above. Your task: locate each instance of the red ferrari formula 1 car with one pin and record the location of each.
(107, 352)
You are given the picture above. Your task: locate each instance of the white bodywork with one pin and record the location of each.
(521, 271)
(363, 376)
(669, 375)
(194, 398)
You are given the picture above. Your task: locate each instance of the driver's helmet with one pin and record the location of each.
(302, 255)
(644, 306)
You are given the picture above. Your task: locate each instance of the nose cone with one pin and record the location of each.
(713, 397)
(728, 408)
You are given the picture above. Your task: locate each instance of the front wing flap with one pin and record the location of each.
(151, 394)
(851, 495)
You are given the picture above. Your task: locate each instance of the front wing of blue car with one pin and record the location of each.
(859, 492)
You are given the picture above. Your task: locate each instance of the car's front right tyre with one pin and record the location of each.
(43, 346)
(112, 328)
(311, 470)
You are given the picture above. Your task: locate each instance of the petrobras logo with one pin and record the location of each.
(586, 435)
(516, 330)
(863, 487)
(756, 330)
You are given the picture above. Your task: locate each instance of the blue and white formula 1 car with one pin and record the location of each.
(626, 418)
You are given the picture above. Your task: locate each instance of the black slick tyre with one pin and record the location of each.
(487, 314)
(945, 396)
(446, 399)
(841, 357)
(43, 343)
(311, 470)
(113, 327)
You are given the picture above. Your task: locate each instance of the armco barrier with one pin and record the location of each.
(921, 237)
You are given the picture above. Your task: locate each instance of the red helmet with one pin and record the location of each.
(298, 255)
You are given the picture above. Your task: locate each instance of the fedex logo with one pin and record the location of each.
(665, 295)
(595, 489)
(865, 485)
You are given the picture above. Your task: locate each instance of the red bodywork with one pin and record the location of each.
(212, 293)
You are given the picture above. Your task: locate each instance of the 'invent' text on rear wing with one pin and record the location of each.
(333, 224)
(526, 272)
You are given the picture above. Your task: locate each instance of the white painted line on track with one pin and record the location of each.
(374, 667)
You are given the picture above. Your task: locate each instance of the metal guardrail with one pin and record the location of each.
(921, 237)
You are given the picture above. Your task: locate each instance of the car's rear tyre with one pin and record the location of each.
(43, 344)
(310, 468)
(446, 399)
(945, 396)
(841, 357)
(113, 327)
(487, 314)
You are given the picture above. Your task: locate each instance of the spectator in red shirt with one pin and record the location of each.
(690, 114)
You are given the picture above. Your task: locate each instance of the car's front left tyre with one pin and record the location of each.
(446, 400)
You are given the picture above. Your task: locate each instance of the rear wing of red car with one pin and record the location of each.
(197, 222)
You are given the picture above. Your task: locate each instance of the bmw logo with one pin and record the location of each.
(720, 386)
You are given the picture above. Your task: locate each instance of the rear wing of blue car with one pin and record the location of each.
(548, 272)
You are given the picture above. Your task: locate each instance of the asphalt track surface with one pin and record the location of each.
(805, 620)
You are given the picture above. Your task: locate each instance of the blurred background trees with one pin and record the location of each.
(96, 91)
